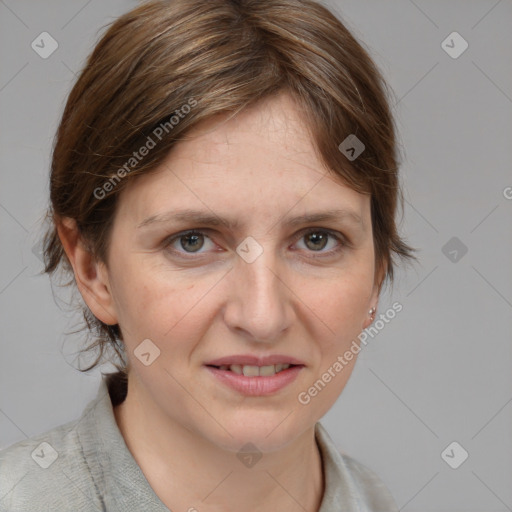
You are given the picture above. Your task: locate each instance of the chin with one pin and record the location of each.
(268, 434)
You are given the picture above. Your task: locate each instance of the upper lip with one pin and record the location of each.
(252, 360)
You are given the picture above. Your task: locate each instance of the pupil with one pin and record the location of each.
(317, 237)
(196, 243)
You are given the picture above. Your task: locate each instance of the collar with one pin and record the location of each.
(112, 466)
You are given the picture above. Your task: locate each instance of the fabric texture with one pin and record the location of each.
(85, 465)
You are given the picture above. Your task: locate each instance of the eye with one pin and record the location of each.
(315, 240)
(190, 242)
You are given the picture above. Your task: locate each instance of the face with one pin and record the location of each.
(256, 279)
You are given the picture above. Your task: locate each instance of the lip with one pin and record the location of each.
(256, 386)
(252, 360)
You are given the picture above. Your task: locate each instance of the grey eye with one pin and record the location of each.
(192, 241)
(316, 240)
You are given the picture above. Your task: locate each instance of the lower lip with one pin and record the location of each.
(256, 386)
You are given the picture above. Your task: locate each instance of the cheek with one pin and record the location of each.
(343, 302)
(144, 299)
(161, 305)
(342, 307)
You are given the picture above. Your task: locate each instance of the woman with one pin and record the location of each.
(223, 192)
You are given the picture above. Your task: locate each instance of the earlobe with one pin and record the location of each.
(371, 316)
(90, 275)
(374, 299)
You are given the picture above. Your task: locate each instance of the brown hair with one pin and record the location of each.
(216, 57)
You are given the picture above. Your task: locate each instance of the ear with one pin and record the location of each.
(91, 276)
(373, 302)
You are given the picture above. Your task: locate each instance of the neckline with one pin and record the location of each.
(112, 463)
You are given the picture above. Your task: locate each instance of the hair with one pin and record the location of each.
(165, 66)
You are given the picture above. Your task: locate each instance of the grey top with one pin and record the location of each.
(85, 465)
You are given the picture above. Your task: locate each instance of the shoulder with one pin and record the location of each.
(349, 484)
(371, 490)
(47, 472)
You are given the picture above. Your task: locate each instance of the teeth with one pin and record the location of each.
(266, 371)
(250, 371)
(255, 371)
(236, 368)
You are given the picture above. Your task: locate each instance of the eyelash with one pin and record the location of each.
(342, 242)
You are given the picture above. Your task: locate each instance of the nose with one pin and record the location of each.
(260, 302)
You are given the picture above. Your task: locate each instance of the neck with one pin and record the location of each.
(186, 470)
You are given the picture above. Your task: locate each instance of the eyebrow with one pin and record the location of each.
(209, 219)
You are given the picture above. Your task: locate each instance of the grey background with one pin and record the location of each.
(441, 370)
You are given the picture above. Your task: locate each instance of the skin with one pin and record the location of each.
(183, 427)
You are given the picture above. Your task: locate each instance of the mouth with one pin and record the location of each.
(254, 380)
(253, 370)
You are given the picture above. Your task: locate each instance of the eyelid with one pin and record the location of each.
(314, 229)
(343, 241)
(168, 241)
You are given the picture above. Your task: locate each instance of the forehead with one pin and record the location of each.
(261, 161)
(275, 124)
